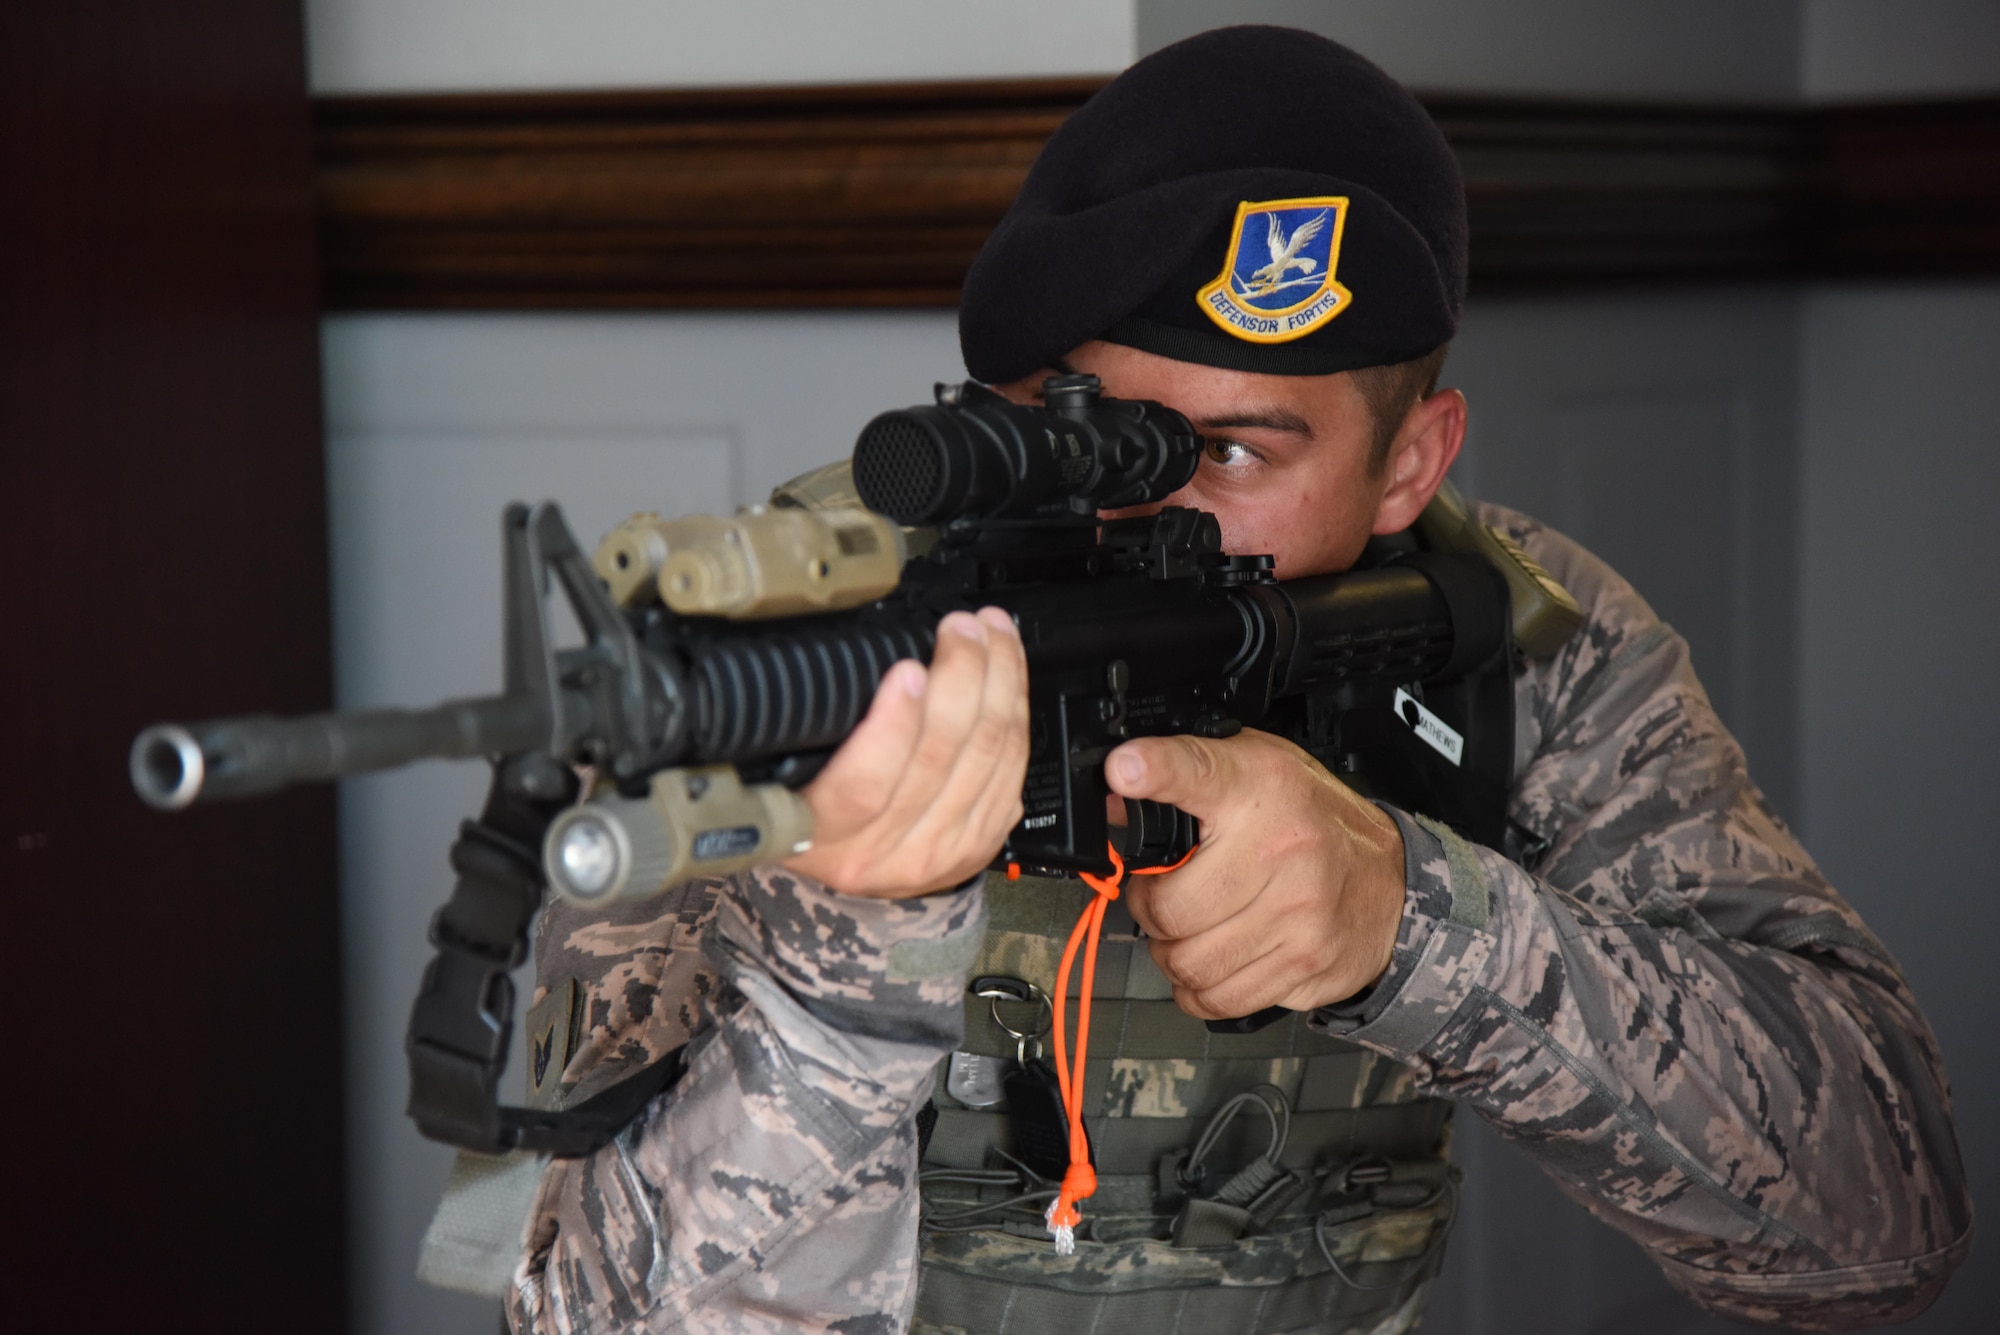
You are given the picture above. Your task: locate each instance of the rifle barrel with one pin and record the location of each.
(175, 765)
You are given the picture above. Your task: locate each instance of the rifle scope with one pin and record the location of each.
(975, 455)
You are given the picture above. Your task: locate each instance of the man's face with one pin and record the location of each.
(1286, 469)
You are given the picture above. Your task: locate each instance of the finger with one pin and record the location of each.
(1242, 942)
(1239, 966)
(858, 780)
(1268, 980)
(951, 707)
(1196, 898)
(997, 754)
(1000, 728)
(978, 800)
(1243, 994)
(1193, 773)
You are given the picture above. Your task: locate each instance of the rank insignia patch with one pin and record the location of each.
(555, 1027)
(1278, 284)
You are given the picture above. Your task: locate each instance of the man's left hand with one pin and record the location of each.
(1296, 894)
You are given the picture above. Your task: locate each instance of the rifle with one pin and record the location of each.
(725, 658)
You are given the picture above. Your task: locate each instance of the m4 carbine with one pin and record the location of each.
(725, 658)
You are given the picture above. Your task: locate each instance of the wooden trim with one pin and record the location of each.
(866, 196)
(1569, 193)
(1909, 190)
(879, 195)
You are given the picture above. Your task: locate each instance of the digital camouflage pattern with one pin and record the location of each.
(1663, 1002)
(648, 977)
(773, 1187)
(1668, 1006)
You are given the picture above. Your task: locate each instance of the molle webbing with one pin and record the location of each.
(1123, 1027)
(1322, 1302)
(1154, 1079)
(963, 1137)
(993, 1283)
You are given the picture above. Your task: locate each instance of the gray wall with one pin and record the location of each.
(1864, 50)
(398, 46)
(1684, 50)
(1660, 431)
(1900, 637)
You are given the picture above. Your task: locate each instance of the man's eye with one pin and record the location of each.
(1228, 452)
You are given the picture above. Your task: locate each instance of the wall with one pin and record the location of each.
(1659, 431)
(1865, 50)
(1899, 616)
(438, 45)
(1899, 595)
(1692, 50)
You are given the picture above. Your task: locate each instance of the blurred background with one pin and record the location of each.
(295, 299)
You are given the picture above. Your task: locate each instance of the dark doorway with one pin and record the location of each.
(173, 1107)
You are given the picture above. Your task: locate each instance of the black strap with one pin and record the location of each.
(463, 1018)
(926, 1123)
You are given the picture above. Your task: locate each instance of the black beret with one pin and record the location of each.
(1254, 198)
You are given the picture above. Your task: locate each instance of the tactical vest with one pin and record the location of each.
(1353, 1245)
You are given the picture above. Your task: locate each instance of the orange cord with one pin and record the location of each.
(1080, 1180)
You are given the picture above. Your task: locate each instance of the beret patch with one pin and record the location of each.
(1278, 283)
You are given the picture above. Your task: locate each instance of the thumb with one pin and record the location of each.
(1191, 773)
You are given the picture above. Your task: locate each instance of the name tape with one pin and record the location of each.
(1443, 738)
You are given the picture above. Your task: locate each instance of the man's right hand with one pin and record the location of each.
(926, 789)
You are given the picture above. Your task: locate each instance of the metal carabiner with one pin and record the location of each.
(997, 988)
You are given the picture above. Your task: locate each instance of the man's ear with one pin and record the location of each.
(1425, 446)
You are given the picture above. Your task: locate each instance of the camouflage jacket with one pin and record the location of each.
(1667, 1006)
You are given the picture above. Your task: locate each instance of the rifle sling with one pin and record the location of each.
(463, 1018)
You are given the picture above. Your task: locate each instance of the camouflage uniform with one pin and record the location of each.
(1663, 1002)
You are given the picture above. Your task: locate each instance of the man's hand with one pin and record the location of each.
(925, 790)
(1296, 894)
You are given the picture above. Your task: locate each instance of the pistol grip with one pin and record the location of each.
(1156, 835)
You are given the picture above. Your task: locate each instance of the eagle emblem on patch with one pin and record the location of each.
(1278, 283)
